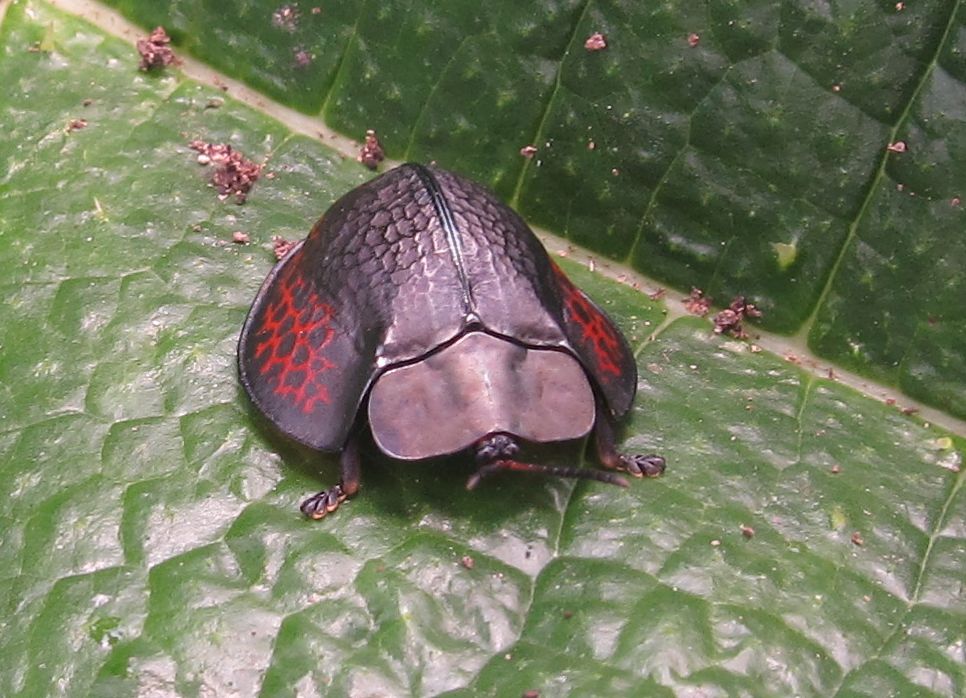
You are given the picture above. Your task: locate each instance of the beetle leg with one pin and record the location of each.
(505, 465)
(327, 501)
(635, 464)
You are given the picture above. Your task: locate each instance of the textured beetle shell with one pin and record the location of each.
(395, 269)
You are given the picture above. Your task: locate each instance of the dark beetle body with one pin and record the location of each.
(424, 293)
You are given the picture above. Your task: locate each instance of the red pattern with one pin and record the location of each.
(291, 341)
(597, 332)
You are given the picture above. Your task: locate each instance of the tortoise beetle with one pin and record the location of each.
(422, 299)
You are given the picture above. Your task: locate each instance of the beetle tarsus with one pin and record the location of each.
(639, 465)
(325, 502)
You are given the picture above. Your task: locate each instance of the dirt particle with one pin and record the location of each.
(87, 102)
(371, 153)
(281, 246)
(697, 303)
(286, 17)
(729, 321)
(155, 50)
(233, 174)
(596, 42)
(302, 58)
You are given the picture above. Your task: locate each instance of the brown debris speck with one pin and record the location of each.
(286, 17)
(240, 238)
(155, 51)
(281, 246)
(909, 410)
(693, 39)
(596, 42)
(729, 320)
(528, 151)
(897, 147)
(371, 153)
(696, 303)
(857, 539)
(233, 174)
(87, 102)
(303, 59)
(468, 562)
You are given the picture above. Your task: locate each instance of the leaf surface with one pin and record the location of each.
(805, 540)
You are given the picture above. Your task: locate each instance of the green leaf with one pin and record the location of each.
(806, 540)
(705, 142)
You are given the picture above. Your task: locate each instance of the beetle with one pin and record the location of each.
(422, 305)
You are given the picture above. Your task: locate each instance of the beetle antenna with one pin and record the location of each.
(548, 470)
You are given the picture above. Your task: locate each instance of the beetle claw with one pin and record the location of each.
(639, 465)
(324, 502)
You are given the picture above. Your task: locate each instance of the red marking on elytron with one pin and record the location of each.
(291, 340)
(597, 332)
